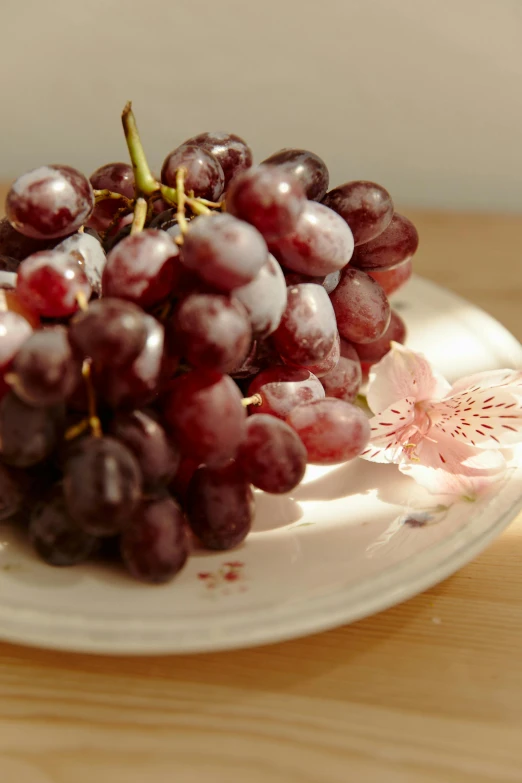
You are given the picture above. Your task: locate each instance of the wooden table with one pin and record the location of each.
(428, 691)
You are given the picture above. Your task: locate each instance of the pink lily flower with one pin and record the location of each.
(448, 438)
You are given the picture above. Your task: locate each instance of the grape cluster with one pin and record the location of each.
(168, 345)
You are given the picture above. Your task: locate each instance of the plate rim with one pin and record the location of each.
(290, 620)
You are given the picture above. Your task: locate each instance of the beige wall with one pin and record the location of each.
(424, 96)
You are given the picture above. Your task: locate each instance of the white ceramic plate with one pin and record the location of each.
(350, 541)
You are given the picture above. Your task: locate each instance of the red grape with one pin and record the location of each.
(51, 201)
(264, 298)
(224, 251)
(374, 352)
(284, 388)
(321, 242)
(329, 362)
(213, 331)
(45, 370)
(28, 435)
(11, 302)
(118, 178)
(14, 331)
(271, 455)
(220, 506)
(307, 167)
(394, 277)
(136, 384)
(269, 198)
(344, 381)
(93, 257)
(51, 281)
(141, 268)
(204, 174)
(232, 152)
(9, 266)
(102, 485)
(396, 244)
(111, 331)
(328, 282)
(205, 412)
(361, 307)
(12, 493)
(366, 207)
(307, 331)
(332, 430)
(145, 437)
(56, 538)
(154, 547)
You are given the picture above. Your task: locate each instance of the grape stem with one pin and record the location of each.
(93, 419)
(180, 188)
(255, 399)
(105, 194)
(145, 182)
(140, 216)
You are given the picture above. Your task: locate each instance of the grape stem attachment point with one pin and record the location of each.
(255, 399)
(105, 195)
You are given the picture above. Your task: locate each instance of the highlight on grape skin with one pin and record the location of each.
(169, 345)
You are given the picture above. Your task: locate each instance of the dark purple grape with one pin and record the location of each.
(397, 243)
(141, 268)
(50, 282)
(204, 174)
(361, 307)
(332, 430)
(134, 385)
(205, 412)
(118, 178)
(154, 547)
(102, 485)
(28, 435)
(265, 298)
(45, 370)
(366, 207)
(307, 331)
(166, 221)
(344, 380)
(269, 198)
(157, 456)
(271, 455)
(374, 352)
(307, 167)
(213, 331)
(111, 331)
(11, 494)
(283, 388)
(15, 245)
(56, 538)
(232, 152)
(220, 506)
(92, 254)
(9, 265)
(224, 251)
(49, 202)
(321, 242)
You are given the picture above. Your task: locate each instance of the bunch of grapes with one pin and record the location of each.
(168, 344)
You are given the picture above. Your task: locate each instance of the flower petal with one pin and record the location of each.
(389, 432)
(455, 468)
(488, 380)
(403, 373)
(485, 417)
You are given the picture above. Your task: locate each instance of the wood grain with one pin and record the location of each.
(430, 691)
